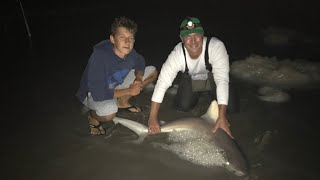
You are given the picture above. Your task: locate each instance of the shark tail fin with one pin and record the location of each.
(212, 113)
(136, 127)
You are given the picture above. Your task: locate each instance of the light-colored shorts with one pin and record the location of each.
(108, 107)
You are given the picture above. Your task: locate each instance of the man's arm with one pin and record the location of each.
(139, 78)
(133, 90)
(219, 59)
(139, 75)
(153, 122)
(168, 73)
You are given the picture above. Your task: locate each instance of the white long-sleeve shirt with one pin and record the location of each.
(218, 58)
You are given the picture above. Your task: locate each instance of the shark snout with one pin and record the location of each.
(237, 170)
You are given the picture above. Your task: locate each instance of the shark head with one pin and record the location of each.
(237, 165)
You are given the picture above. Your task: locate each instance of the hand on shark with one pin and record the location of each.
(222, 123)
(153, 122)
(215, 112)
(154, 126)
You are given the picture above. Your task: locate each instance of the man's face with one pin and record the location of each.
(193, 43)
(123, 42)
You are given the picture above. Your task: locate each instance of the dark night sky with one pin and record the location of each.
(61, 22)
(232, 21)
(294, 11)
(227, 19)
(296, 14)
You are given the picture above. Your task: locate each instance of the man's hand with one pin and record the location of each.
(134, 89)
(138, 80)
(153, 122)
(139, 83)
(154, 126)
(223, 123)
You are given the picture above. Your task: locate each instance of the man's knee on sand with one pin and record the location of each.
(184, 107)
(186, 104)
(185, 99)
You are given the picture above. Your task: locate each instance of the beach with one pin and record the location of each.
(47, 136)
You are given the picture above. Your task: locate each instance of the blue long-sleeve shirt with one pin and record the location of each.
(105, 70)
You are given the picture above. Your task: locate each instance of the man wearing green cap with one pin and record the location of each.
(188, 57)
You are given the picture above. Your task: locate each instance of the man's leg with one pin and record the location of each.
(95, 122)
(150, 75)
(100, 111)
(185, 99)
(123, 103)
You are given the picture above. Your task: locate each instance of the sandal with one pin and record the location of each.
(97, 129)
(130, 109)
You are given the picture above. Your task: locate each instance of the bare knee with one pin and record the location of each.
(109, 117)
(152, 77)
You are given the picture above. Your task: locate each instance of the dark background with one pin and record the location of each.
(64, 32)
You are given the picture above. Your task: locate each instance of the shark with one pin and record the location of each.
(233, 158)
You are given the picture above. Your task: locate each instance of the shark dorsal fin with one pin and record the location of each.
(212, 113)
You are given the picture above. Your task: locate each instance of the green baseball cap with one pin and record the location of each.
(191, 25)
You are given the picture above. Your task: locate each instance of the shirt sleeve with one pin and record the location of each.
(219, 59)
(168, 73)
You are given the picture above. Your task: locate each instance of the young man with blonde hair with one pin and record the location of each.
(115, 72)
